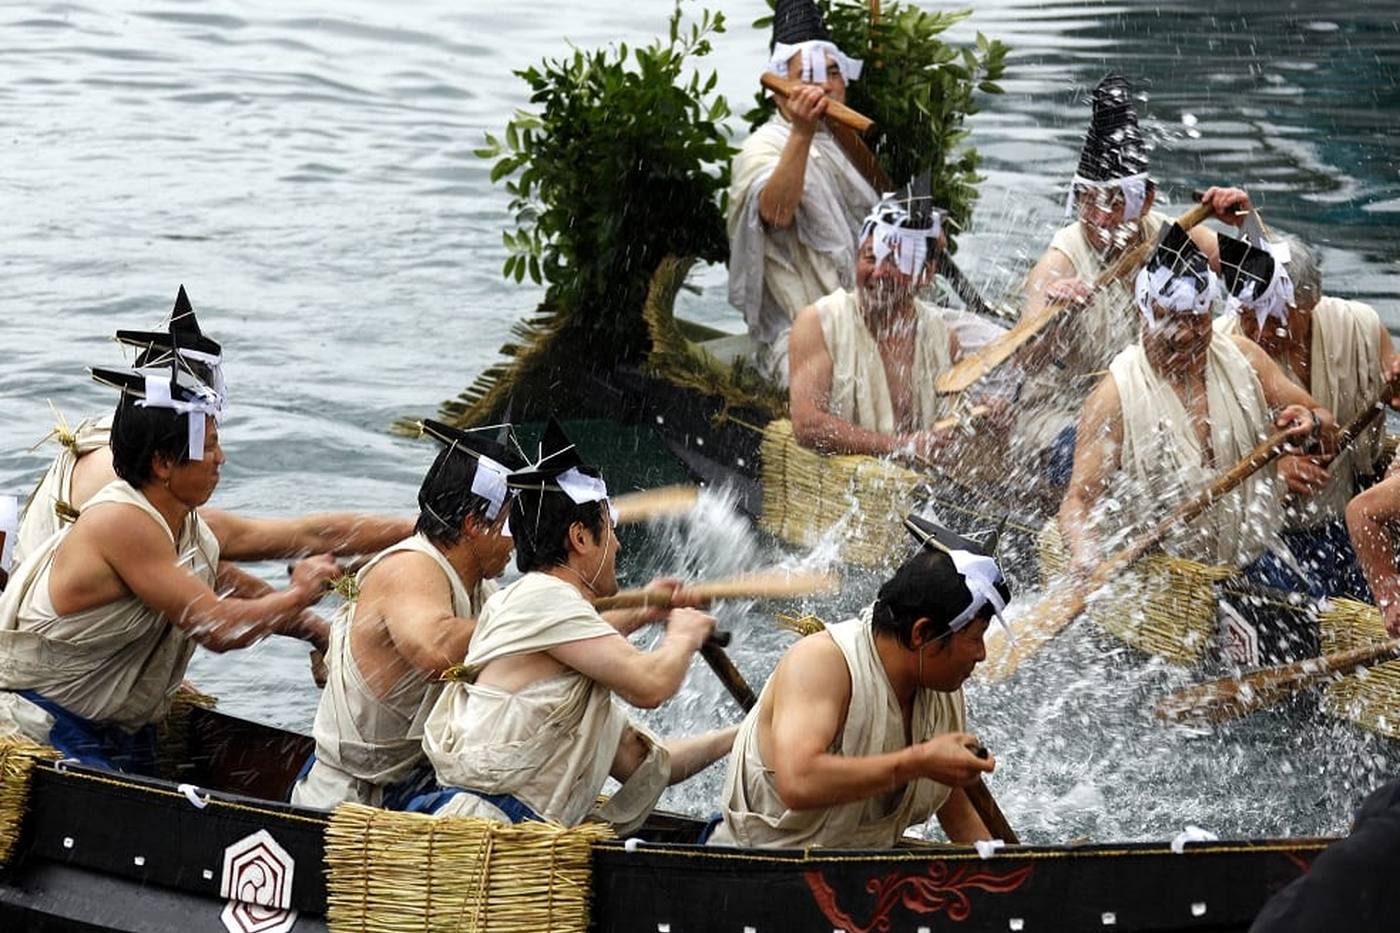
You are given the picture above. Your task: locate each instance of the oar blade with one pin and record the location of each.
(1007, 651)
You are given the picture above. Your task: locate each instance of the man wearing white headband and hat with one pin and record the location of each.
(1112, 197)
(98, 624)
(411, 618)
(795, 199)
(864, 361)
(532, 730)
(1338, 351)
(859, 734)
(1176, 410)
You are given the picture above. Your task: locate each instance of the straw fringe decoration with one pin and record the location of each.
(400, 872)
(17, 758)
(806, 494)
(1370, 697)
(1163, 605)
(681, 362)
(173, 735)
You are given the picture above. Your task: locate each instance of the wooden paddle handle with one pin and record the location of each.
(765, 585)
(718, 659)
(992, 817)
(962, 374)
(835, 110)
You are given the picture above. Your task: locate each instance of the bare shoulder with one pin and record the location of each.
(808, 321)
(1253, 352)
(814, 666)
(1104, 402)
(402, 574)
(120, 522)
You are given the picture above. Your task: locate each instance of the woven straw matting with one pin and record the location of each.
(401, 872)
(806, 495)
(1371, 697)
(1162, 605)
(17, 758)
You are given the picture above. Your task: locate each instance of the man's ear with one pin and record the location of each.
(161, 467)
(922, 631)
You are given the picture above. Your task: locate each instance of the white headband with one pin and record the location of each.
(1134, 189)
(1278, 294)
(910, 247)
(1174, 291)
(207, 402)
(489, 482)
(814, 53)
(582, 489)
(981, 574)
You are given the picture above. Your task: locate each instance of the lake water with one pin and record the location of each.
(306, 170)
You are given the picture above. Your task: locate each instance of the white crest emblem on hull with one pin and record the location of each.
(257, 881)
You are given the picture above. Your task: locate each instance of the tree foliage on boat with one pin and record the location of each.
(624, 162)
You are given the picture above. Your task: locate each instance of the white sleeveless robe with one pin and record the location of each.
(118, 663)
(755, 816)
(1345, 372)
(551, 744)
(776, 272)
(860, 391)
(365, 743)
(1161, 461)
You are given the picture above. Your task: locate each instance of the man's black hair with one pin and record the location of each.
(142, 433)
(446, 499)
(926, 585)
(540, 522)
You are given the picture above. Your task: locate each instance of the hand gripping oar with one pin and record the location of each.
(977, 793)
(1232, 697)
(846, 127)
(976, 365)
(1066, 601)
(1228, 698)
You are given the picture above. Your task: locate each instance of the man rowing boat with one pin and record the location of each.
(864, 361)
(1335, 349)
(795, 201)
(859, 734)
(1178, 407)
(98, 625)
(533, 731)
(412, 618)
(1113, 197)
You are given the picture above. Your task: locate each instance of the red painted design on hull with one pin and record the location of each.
(939, 889)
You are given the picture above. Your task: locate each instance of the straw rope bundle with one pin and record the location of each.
(17, 758)
(173, 735)
(1371, 697)
(806, 494)
(678, 360)
(399, 872)
(1163, 605)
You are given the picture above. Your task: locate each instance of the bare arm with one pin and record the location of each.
(782, 193)
(809, 393)
(689, 755)
(1096, 459)
(1052, 279)
(1370, 517)
(1305, 474)
(810, 695)
(337, 533)
(645, 679)
(130, 545)
(959, 820)
(415, 600)
(232, 580)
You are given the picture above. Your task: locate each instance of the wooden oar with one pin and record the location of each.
(1066, 601)
(651, 504)
(976, 365)
(835, 110)
(1229, 698)
(761, 584)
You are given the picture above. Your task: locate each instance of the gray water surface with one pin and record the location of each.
(306, 170)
